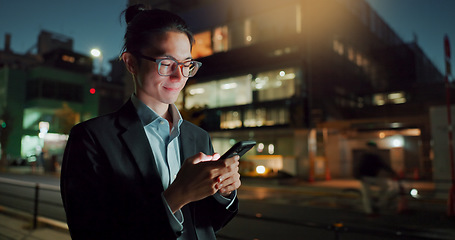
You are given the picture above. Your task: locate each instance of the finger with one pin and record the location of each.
(216, 156)
(200, 157)
(231, 187)
(228, 161)
(229, 179)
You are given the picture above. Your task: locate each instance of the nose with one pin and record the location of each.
(177, 75)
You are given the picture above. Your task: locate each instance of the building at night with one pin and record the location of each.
(43, 95)
(311, 82)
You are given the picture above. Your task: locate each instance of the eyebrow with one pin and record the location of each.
(173, 58)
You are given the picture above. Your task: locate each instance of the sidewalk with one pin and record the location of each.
(16, 225)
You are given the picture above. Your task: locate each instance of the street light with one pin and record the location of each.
(95, 52)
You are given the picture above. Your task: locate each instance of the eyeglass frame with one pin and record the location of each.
(158, 61)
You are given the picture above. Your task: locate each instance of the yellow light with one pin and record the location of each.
(260, 169)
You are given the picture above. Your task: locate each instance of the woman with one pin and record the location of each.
(143, 172)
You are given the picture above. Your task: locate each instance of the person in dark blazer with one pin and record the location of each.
(143, 172)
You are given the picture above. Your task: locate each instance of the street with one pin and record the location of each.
(273, 211)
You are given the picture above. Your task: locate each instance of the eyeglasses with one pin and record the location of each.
(167, 66)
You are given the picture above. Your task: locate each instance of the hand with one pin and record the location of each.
(200, 176)
(230, 180)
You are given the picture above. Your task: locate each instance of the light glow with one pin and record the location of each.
(271, 149)
(415, 193)
(197, 91)
(260, 169)
(228, 86)
(95, 52)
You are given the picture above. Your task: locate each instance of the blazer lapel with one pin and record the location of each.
(136, 141)
(187, 143)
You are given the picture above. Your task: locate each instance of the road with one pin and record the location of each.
(275, 212)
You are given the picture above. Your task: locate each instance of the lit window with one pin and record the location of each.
(397, 97)
(248, 37)
(274, 85)
(338, 47)
(202, 45)
(220, 39)
(230, 120)
(68, 58)
(351, 54)
(359, 59)
(379, 99)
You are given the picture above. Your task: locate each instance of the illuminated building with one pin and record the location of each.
(45, 94)
(312, 82)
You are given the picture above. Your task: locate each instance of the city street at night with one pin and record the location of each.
(132, 113)
(269, 209)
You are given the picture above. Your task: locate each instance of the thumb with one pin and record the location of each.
(200, 157)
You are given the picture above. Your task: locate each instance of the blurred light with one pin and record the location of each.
(396, 95)
(271, 149)
(197, 91)
(260, 147)
(260, 169)
(68, 58)
(95, 52)
(92, 90)
(282, 73)
(397, 141)
(381, 135)
(415, 193)
(43, 129)
(228, 86)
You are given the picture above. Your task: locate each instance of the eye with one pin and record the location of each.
(167, 62)
(189, 64)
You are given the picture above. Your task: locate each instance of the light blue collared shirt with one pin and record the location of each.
(167, 156)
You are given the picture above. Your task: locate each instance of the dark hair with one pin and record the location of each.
(143, 24)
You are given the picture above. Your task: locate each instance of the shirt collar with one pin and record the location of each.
(147, 115)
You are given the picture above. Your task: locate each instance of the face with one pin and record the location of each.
(156, 90)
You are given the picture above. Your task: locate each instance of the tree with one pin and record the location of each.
(67, 118)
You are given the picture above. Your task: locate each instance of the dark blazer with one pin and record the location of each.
(111, 188)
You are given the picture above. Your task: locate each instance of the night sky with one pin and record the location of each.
(97, 24)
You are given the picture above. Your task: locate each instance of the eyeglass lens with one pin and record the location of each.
(168, 66)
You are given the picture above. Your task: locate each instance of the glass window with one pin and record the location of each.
(231, 120)
(274, 85)
(338, 47)
(220, 39)
(222, 93)
(235, 91)
(201, 95)
(236, 34)
(266, 117)
(202, 45)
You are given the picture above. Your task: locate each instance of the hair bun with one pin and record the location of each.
(132, 11)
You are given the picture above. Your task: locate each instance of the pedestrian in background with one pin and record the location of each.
(373, 171)
(143, 172)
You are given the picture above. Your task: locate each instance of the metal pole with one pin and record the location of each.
(35, 209)
(451, 199)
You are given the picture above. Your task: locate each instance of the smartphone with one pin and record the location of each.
(239, 148)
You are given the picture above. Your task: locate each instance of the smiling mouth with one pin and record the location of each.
(172, 88)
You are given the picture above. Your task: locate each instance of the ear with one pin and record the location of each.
(130, 62)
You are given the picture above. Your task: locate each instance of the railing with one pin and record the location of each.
(28, 197)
